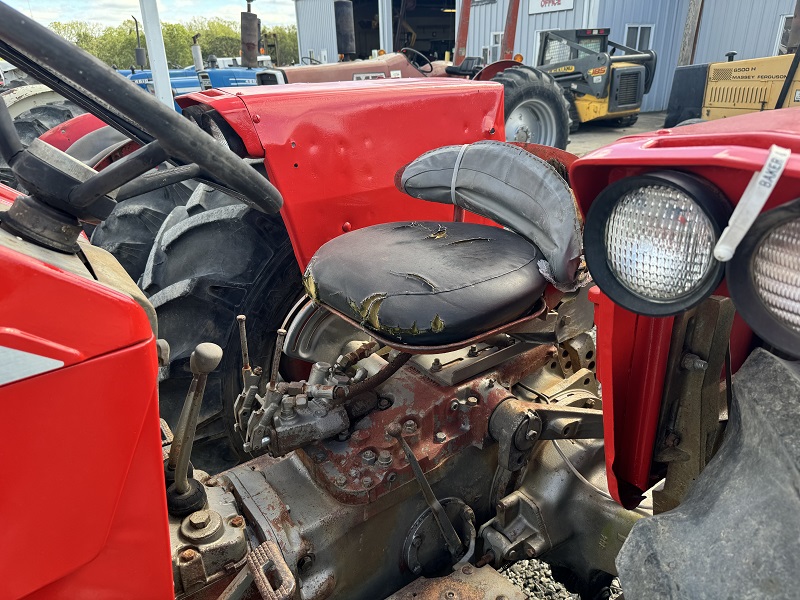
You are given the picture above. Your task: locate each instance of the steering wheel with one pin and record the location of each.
(308, 60)
(416, 63)
(173, 135)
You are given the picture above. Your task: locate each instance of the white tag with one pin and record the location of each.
(753, 199)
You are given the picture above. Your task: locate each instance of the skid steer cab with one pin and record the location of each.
(600, 83)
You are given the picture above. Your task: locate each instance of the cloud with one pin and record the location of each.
(113, 12)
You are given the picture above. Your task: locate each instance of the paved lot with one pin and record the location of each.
(592, 136)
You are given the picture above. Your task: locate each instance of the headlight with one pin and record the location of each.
(649, 241)
(764, 277)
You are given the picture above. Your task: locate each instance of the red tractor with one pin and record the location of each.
(431, 411)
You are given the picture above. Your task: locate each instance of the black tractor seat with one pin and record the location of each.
(427, 283)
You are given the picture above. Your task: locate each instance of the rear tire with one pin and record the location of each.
(536, 110)
(130, 230)
(212, 260)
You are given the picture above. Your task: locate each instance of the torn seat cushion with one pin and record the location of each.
(427, 283)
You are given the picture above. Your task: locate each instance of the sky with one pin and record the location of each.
(113, 12)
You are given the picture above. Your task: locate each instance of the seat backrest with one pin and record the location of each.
(511, 186)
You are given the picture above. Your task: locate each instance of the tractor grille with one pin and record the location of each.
(628, 89)
(752, 94)
(267, 78)
(722, 74)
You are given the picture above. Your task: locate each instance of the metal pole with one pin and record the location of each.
(510, 32)
(385, 24)
(156, 52)
(462, 32)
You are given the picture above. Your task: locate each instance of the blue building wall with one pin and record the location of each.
(316, 29)
(749, 27)
(668, 18)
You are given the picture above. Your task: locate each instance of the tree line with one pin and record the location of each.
(115, 45)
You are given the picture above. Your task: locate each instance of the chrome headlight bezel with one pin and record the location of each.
(714, 205)
(744, 290)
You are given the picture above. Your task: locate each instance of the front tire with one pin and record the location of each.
(212, 260)
(535, 107)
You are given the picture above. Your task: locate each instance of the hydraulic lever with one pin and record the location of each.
(454, 545)
(187, 495)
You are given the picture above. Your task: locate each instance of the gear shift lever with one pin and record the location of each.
(187, 495)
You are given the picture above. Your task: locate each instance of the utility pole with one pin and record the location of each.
(151, 24)
(690, 31)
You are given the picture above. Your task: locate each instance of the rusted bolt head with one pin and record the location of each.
(187, 555)
(439, 437)
(366, 482)
(384, 403)
(409, 426)
(384, 458)
(340, 480)
(368, 456)
(237, 521)
(467, 570)
(305, 563)
(199, 519)
(436, 365)
(472, 401)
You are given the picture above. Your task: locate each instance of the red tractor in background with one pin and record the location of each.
(431, 411)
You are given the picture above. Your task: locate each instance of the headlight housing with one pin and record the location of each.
(764, 277)
(217, 127)
(649, 241)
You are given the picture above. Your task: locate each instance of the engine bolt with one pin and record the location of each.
(368, 456)
(467, 570)
(416, 541)
(199, 519)
(187, 555)
(366, 482)
(340, 480)
(454, 405)
(391, 477)
(472, 401)
(473, 351)
(384, 403)
(409, 427)
(237, 521)
(692, 362)
(436, 365)
(384, 458)
(440, 438)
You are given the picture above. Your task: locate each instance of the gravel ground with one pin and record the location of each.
(534, 578)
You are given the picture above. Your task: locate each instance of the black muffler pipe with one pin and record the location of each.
(345, 28)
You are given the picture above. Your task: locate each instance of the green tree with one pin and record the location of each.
(80, 33)
(286, 39)
(219, 37)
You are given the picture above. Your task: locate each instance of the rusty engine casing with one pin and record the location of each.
(347, 513)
